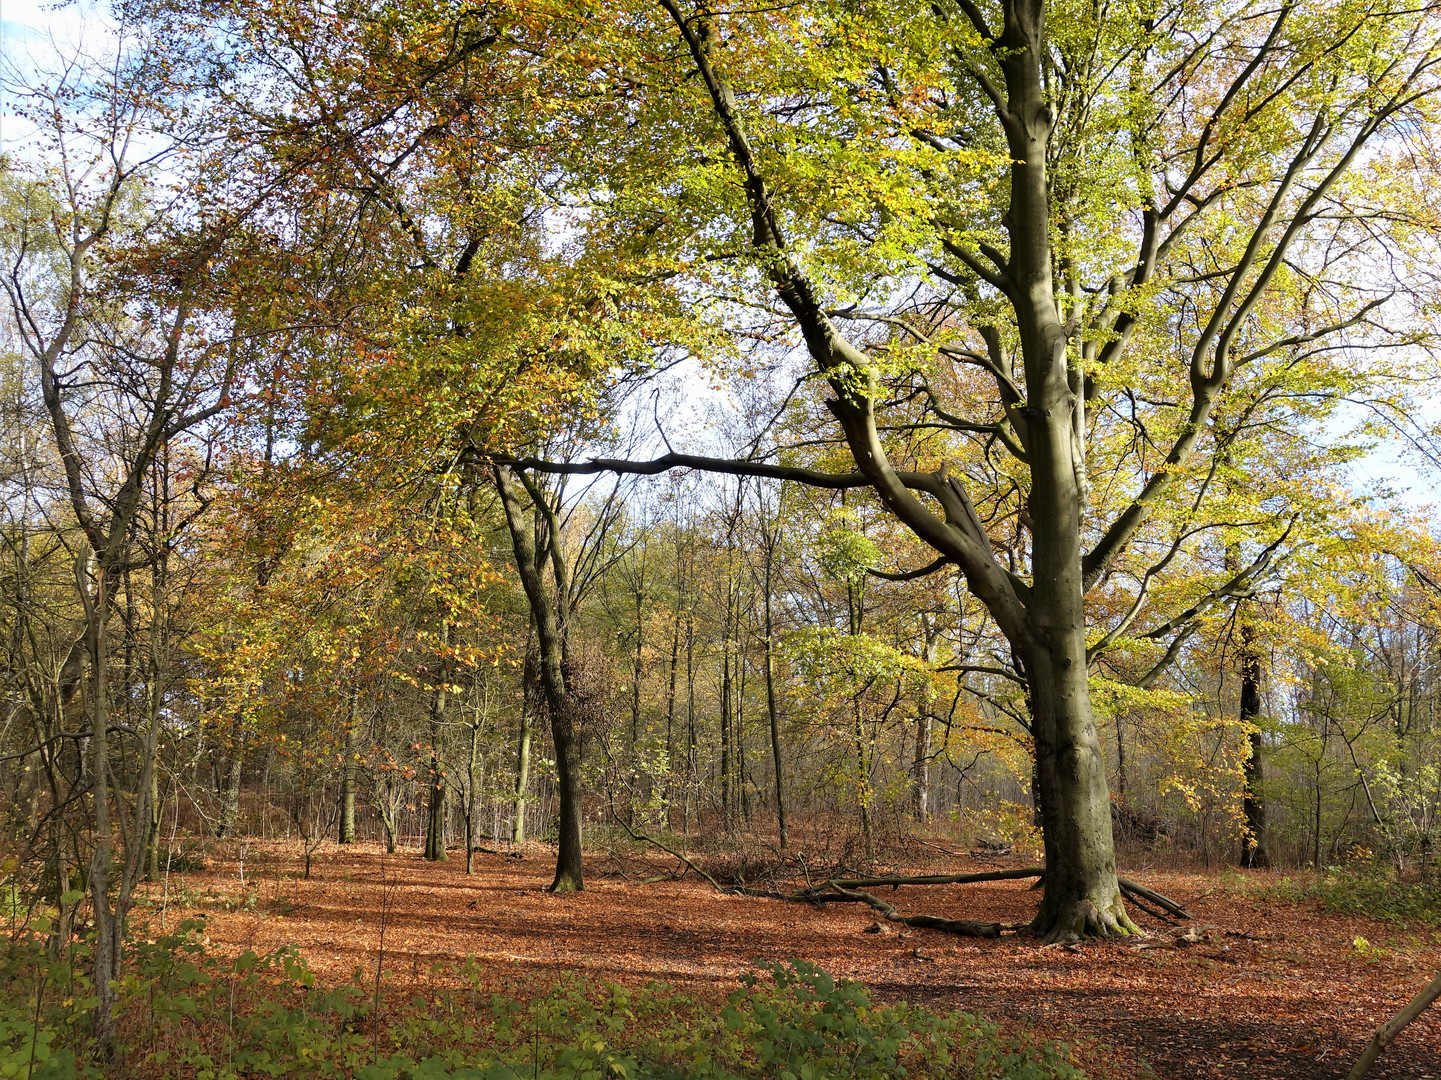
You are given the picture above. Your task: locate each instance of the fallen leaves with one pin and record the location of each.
(1264, 991)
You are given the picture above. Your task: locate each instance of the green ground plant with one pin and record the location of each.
(1373, 891)
(185, 1011)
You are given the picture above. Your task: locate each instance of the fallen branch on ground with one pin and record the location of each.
(964, 927)
(839, 890)
(1130, 888)
(502, 854)
(669, 851)
(895, 881)
(1392, 1028)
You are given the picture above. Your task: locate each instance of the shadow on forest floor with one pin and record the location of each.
(1279, 990)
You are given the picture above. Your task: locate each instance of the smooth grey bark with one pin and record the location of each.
(530, 677)
(549, 612)
(473, 773)
(387, 806)
(921, 760)
(349, 770)
(1043, 619)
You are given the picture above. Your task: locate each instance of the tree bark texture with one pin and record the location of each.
(1044, 620)
(348, 771)
(549, 612)
(438, 787)
(1253, 846)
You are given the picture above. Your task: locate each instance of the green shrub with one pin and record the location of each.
(185, 1012)
(1373, 892)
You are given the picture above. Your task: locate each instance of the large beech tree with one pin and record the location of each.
(1100, 219)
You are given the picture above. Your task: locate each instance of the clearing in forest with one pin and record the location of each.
(1269, 989)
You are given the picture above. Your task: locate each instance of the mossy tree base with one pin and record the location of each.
(1073, 920)
(566, 882)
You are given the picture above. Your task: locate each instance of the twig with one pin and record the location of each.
(669, 851)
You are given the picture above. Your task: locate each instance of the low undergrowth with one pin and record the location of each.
(187, 1012)
(1375, 892)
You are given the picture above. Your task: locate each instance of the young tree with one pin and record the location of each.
(128, 304)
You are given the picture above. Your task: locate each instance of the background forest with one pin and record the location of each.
(444, 427)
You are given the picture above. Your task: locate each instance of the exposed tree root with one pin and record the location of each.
(1083, 919)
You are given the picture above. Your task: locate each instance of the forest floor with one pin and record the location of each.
(1273, 989)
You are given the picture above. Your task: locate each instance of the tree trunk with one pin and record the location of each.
(921, 762)
(230, 798)
(109, 922)
(435, 804)
(1082, 896)
(1120, 760)
(1253, 848)
(634, 784)
(549, 615)
(348, 771)
(725, 726)
(152, 831)
(670, 699)
(921, 770)
(471, 796)
(528, 703)
(386, 807)
(771, 710)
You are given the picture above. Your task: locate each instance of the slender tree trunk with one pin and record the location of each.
(386, 806)
(725, 728)
(635, 688)
(528, 706)
(471, 797)
(1253, 847)
(230, 799)
(1120, 760)
(670, 701)
(772, 712)
(691, 764)
(863, 774)
(742, 779)
(921, 770)
(435, 803)
(549, 617)
(152, 833)
(921, 762)
(349, 769)
(109, 923)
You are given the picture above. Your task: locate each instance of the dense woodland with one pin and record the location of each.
(782, 433)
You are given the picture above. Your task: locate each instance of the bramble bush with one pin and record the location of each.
(187, 1012)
